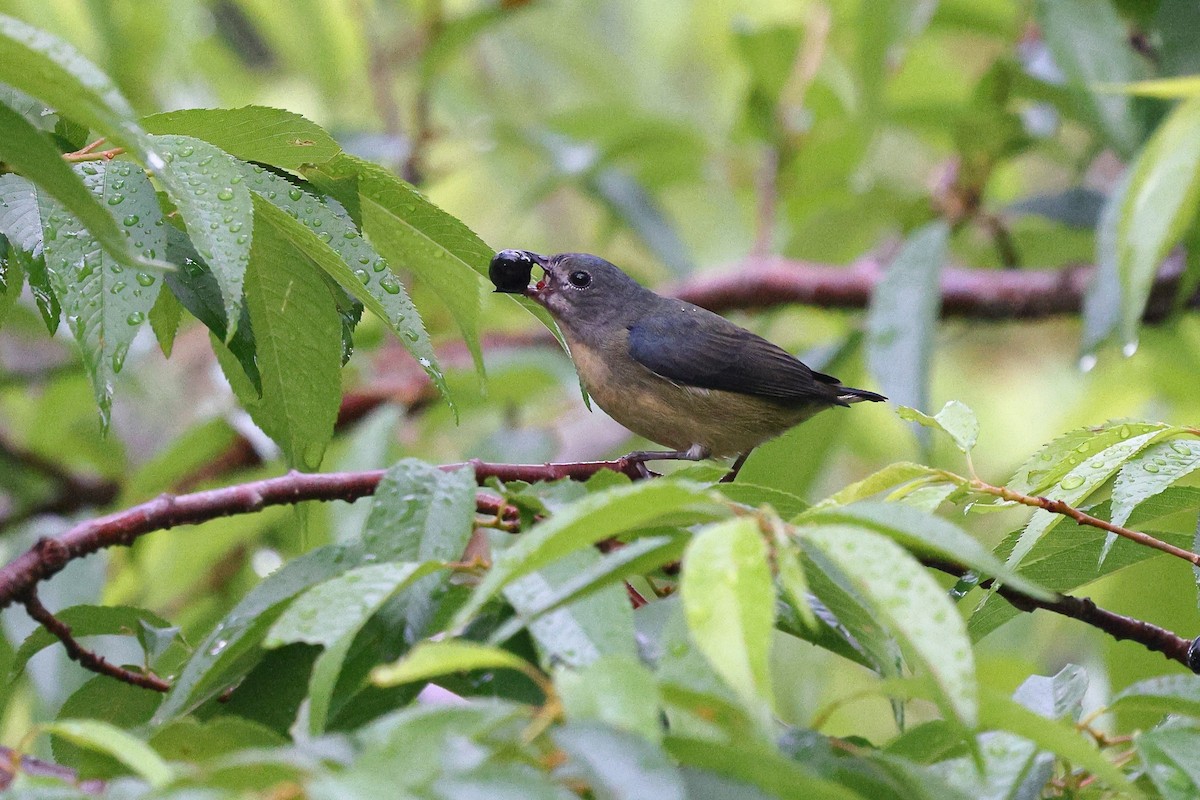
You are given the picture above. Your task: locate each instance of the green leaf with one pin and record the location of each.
(108, 739)
(207, 186)
(758, 767)
(617, 690)
(1178, 88)
(415, 235)
(331, 614)
(196, 742)
(786, 504)
(251, 133)
(1170, 760)
(1104, 297)
(231, 649)
(909, 602)
(619, 765)
(902, 318)
(86, 620)
(37, 159)
(729, 602)
(1048, 465)
(581, 524)
(20, 215)
(106, 701)
(955, 420)
(105, 300)
(1159, 207)
(902, 472)
(1156, 468)
(1090, 45)
(435, 658)
(12, 279)
(39, 286)
(329, 238)
(1072, 558)
(165, 316)
(297, 339)
(53, 71)
(578, 633)
(1169, 694)
(924, 535)
(998, 712)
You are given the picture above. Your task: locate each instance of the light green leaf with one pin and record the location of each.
(20, 216)
(331, 614)
(581, 524)
(207, 187)
(1181, 87)
(902, 472)
(925, 535)
(435, 658)
(53, 71)
(1171, 761)
(112, 741)
(1089, 41)
(729, 602)
(955, 419)
(906, 600)
(1169, 694)
(1104, 298)
(415, 235)
(232, 647)
(1156, 468)
(618, 764)
(757, 766)
(997, 712)
(1055, 459)
(165, 316)
(297, 338)
(616, 690)
(1160, 205)
(31, 154)
(251, 133)
(105, 300)
(329, 238)
(902, 318)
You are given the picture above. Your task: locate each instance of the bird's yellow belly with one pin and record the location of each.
(725, 423)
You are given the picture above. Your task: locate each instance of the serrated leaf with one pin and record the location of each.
(39, 286)
(619, 765)
(1082, 480)
(86, 621)
(105, 300)
(37, 159)
(955, 420)
(902, 472)
(297, 341)
(1156, 468)
(436, 658)
(232, 647)
(52, 70)
(207, 187)
(998, 712)
(111, 740)
(20, 216)
(1160, 205)
(331, 614)
(251, 133)
(902, 318)
(1089, 41)
(578, 633)
(329, 238)
(924, 534)
(580, 524)
(908, 602)
(1055, 459)
(165, 316)
(729, 603)
(416, 235)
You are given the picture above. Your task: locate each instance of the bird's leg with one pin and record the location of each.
(736, 468)
(696, 452)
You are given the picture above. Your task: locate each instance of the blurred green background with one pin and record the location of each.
(676, 139)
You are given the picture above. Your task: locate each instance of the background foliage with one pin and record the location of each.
(241, 279)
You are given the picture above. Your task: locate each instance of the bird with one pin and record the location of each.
(668, 370)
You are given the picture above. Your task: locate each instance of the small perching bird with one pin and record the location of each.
(668, 370)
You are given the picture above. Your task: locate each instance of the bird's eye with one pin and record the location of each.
(579, 279)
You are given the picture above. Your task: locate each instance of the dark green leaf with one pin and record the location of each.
(251, 133)
(105, 738)
(86, 621)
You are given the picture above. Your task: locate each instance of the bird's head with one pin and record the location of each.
(575, 287)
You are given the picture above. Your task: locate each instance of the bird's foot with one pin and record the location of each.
(638, 458)
(736, 468)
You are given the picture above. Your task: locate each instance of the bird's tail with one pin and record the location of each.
(848, 395)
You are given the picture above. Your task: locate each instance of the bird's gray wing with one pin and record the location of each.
(700, 349)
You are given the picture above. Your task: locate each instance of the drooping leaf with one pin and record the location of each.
(955, 419)
(331, 614)
(251, 133)
(20, 216)
(207, 186)
(105, 299)
(729, 602)
(111, 740)
(1159, 206)
(1104, 299)
(902, 319)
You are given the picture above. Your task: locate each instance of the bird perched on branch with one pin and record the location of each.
(670, 371)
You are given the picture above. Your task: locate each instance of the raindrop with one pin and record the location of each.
(118, 357)
(235, 227)
(145, 279)
(324, 236)
(187, 151)
(380, 265)
(1072, 482)
(1130, 348)
(225, 194)
(131, 220)
(136, 318)
(413, 336)
(118, 287)
(241, 239)
(236, 179)
(116, 199)
(216, 649)
(201, 191)
(119, 184)
(363, 276)
(1181, 448)
(390, 285)
(1162, 462)
(295, 194)
(204, 162)
(350, 235)
(88, 169)
(1124, 432)
(1087, 363)
(1083, 448)
(1150, 467)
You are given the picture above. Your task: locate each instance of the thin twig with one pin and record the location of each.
(1059, 507)
(85, 657)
